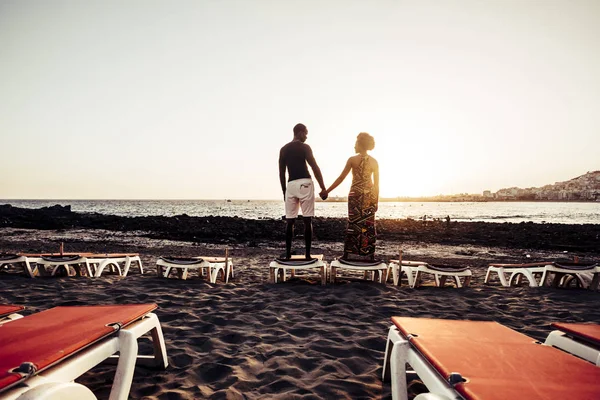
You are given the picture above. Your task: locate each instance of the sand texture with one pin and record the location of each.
(249, 339)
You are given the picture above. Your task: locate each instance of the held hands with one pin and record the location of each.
(323, 194)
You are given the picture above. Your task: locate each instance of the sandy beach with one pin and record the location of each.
(249, 339)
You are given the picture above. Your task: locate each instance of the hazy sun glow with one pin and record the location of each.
(193, 100)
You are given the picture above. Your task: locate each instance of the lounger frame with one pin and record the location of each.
(278, 271)
(211, 267)
(125, 343)
(376, 273)
(399, 352)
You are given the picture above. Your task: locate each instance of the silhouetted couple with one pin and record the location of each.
(299, 192)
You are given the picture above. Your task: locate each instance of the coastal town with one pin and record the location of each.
(583, 188)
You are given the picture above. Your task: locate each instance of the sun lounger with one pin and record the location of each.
(113, 260)
(28, 264)
(92, 263)
(561, 273)
(582, 340)
(416, 270)
(9, 312)
(373, 270)
(279, 267)
(404, 267)
(512, 274)
(43, 353)
(539, 273)
(50, 265)
(482, 360)
(212, 267)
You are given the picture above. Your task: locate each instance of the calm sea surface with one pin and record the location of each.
(564, 213)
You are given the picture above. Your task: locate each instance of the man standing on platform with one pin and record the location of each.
(299, 190)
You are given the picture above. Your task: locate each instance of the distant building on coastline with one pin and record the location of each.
(583, 188)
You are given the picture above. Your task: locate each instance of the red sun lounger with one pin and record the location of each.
(9, 312)
(478, 360)
(43, 353)
(582, 340)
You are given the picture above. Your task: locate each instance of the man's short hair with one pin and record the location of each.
(299, 128)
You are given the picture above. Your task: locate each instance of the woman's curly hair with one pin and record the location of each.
(365, 141)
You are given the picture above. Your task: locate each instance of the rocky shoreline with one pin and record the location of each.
(582, 238)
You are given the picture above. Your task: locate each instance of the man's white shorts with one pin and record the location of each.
(300, 193)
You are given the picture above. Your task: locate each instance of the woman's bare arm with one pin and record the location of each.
(376, 180)
(342, 176)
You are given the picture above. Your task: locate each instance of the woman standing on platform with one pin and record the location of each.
(362, 200)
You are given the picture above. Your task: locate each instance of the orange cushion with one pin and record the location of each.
(9, 309)
(499, 363)
(53, 335)
(588, 332)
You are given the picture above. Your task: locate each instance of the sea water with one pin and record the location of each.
(539, 212)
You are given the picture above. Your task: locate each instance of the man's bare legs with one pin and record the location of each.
(289, 236)
(308, 232)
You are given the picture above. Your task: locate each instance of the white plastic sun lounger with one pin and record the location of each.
(374, 270)
(512, 274)
(28, 263)
(9, 312)
(93, 263)
(50, 264)
(582, 340)
(212, 267)
(560, 274)
(416, 270)
(113, 260)
(42, 354)
(481, 360)
(278, 267)
(406, 268)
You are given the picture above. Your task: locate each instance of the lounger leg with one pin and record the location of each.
(271, 274)
(457, 281)
(399, 357)
(467, 281)
(396, 275)
(440, 280)
(557, 278)
(128, 350)
(323, 275)
(487, 276)
(28, 270)
(127, 266)
(332, 273)
(595, 281)
(417, 281)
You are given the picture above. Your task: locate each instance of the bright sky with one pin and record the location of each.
(193, 99)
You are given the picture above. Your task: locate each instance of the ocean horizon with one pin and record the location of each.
(515, 212)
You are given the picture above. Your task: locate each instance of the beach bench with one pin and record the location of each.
(482, 360)
(42, 354)
(210, 267)
(582, 340)
(415, 271)
(372, 270)
(278, 267)
(9, 312)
